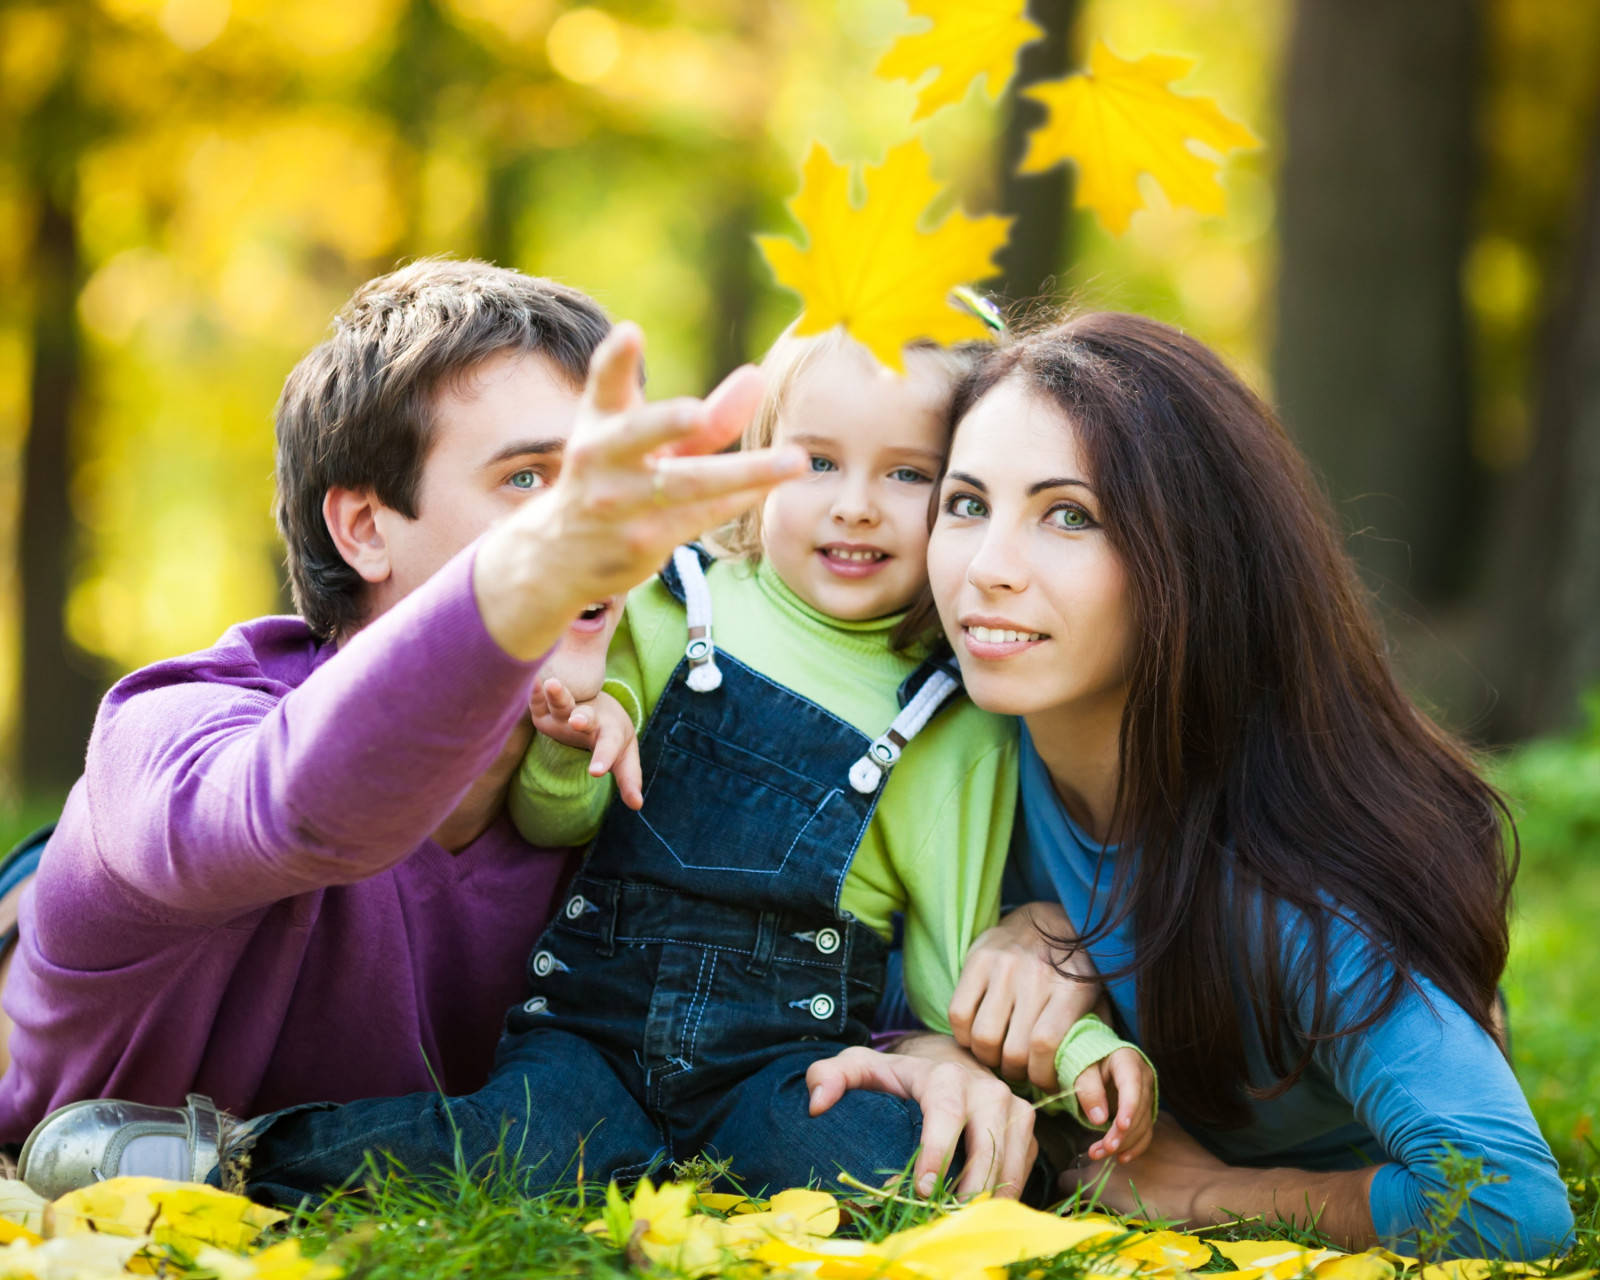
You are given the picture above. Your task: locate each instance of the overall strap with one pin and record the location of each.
(867, 774)
(688, 568)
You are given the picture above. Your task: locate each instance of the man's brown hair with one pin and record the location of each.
(357, 411)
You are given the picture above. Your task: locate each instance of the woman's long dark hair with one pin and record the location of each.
(1268, 756)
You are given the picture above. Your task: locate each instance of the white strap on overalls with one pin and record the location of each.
(867, 773)
(704, 676)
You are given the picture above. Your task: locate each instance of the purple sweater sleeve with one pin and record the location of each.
(213, 796)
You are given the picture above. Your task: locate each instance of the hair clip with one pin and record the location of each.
(969, 299)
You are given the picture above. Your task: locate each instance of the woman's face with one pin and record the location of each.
(1031, 594)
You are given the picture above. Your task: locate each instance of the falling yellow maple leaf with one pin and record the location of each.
(870, 268)
(1120, 119)
(968, 39)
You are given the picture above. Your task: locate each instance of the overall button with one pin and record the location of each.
(537, 1005)
(575, 906)
(543, 963)
(827, 941)
(821, 1007)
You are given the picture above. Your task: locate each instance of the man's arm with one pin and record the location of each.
(211, 804)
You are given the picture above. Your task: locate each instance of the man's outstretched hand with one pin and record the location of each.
(959, 1097)
(638, 479)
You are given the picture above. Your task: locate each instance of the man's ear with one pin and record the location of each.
(352, 519)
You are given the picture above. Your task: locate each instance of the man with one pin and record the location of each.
(286, 875)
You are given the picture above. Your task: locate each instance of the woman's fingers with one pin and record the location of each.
(991, 1022)
(968, 995)
(1017, 1050)
(1068, 1001)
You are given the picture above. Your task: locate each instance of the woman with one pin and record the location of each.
(1293, 884)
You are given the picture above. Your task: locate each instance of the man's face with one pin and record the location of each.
(499, 435)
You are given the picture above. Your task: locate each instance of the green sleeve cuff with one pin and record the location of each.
(629, 697)
(1087, 1041)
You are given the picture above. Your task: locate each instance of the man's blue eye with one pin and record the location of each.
(965, 507)
(819, 463)
(527, 478)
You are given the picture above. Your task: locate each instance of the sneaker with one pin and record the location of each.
(88, 1142)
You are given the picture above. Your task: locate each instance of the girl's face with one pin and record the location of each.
(1031, 594)
(850, 536)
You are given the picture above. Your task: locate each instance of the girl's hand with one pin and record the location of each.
(1011, 1005)
(600, 726)
(1122, 1081)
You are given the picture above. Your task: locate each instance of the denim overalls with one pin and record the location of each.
(698, 966)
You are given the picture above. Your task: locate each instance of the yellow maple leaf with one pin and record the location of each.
(1120, 119)
(870, 268)
(968, 39)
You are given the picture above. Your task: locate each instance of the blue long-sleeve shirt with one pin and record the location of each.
(1395, 1094)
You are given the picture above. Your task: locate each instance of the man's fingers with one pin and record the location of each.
(613, 382)
(859, 1068)
(986, 1133)
(944, 1114)
(683, 480)
(727, 411)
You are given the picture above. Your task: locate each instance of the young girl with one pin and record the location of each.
(805, 773)
(804, 779)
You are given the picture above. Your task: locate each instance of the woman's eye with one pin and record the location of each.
(819, 463)
(965, 507)
(909, 475)
(526, 479)
(1068, 517)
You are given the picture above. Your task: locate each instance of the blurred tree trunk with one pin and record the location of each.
(61, 684)
(733, 281)
(1542, 604)
(1038, 249)
(1371, 358)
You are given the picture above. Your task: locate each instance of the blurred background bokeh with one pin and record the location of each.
(1410, 267)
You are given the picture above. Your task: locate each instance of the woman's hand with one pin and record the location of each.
(599, 725)
(1011, 1005)
(958, 1096)
(633, 486)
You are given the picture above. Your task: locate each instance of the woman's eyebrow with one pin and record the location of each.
(1058, 482)
(961, 477)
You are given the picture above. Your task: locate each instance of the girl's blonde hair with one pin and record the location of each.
(786, 360)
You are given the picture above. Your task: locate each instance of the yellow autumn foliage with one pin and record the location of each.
(871, 268)
(1120, 119)
(968, 39)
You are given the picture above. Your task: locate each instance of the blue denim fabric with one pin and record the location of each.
(699, 965)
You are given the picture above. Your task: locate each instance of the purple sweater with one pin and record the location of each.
(242, 899)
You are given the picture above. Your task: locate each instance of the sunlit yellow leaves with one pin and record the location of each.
(968, 39)
(180, 1214)
(1120, 119)
(145, 1226)
(869, 267)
